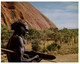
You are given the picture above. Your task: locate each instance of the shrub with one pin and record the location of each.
(35, 45)
(5, 35)
(5, 32)
(53, 47)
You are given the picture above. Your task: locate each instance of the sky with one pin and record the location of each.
(62, 14)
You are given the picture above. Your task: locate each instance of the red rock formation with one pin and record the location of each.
(12, 11)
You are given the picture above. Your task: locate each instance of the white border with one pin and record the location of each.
(0, 32)
(46, 1)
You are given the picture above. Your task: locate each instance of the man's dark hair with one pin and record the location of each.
(18, 24)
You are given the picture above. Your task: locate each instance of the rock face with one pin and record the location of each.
(12, 11)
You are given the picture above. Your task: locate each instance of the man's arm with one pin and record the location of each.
(20, 51)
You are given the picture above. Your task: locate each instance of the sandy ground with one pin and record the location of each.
(64, 58)
(59, 58)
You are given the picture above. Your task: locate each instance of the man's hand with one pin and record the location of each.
(37, 59)
(37, 56)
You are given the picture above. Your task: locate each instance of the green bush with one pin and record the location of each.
(35, 45)
(5, 32)
(53, 47)
(5, 35)
(3, 46)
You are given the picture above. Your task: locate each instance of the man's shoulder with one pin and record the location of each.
(17, 37)
(15, 41)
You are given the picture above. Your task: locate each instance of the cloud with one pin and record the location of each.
(63, 14)
(70, 26)
(62, 18)
(72, 7)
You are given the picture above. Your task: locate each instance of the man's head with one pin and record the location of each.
(20, 27)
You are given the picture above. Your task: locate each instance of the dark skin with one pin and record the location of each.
(17, 45)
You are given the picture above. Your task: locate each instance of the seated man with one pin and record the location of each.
(16, 43)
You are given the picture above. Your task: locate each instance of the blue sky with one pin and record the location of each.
(62, 14)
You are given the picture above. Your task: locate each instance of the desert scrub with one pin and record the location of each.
(44, 50)
(68, 49)
(53, 47)
(36, 45)
(3, 57)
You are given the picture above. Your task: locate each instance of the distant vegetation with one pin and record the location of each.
(51, 41)
(5, 35)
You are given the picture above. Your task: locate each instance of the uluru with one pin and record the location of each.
(12, 11)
